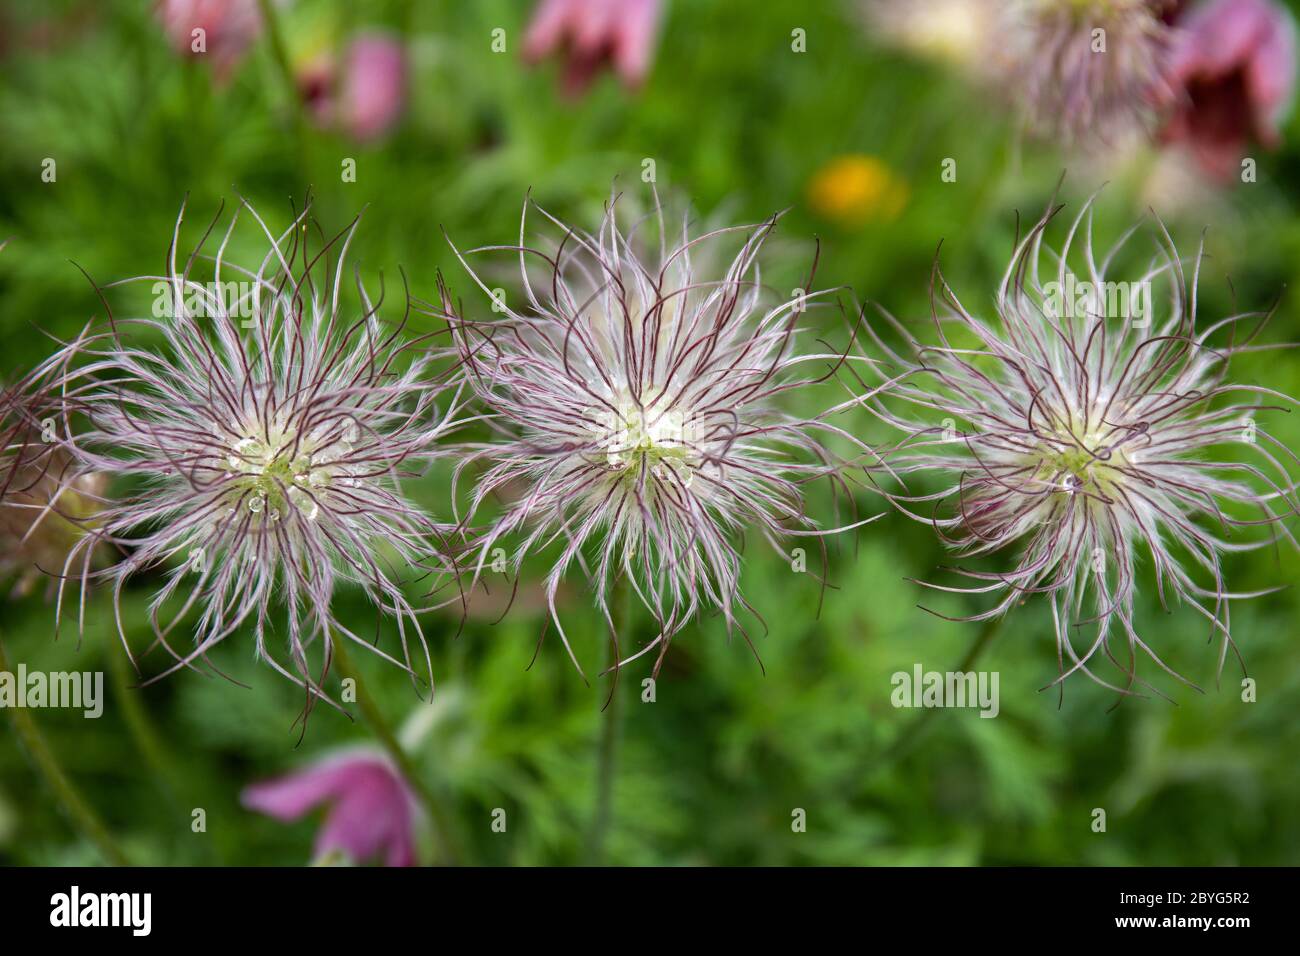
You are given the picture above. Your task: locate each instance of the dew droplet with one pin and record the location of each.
(246, 449)
(305, 503)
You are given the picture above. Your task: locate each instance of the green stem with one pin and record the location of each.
(280, 54)
(607, 745)
(137, 722)
(77, 808)
(444, 833)
(915, 731)
(145, 734)
(279, 51)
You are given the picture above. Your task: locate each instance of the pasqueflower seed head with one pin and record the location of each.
(1087, 72)
(44, 512)
(264, 425)
(637, 391)
(1092, 426)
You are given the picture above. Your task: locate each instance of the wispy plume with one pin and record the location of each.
(1091, 73)
(1087, 75)
(1091, 425)
(44, 512)
(260, 426)
(637, 390)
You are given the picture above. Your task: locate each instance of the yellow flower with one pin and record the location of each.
(855, 189)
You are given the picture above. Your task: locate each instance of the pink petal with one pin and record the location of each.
(374, 86)
(635, 38)
(289, 797)
(593, 27)
(1220, 35)
(546, 29)
(373, 816)
(1270, 74)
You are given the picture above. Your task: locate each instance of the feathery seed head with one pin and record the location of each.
(44, 512)
(636, 392)
(1087, 432)
(265, 431)
(1089, 72)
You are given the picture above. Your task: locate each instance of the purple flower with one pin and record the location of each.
(1234, 69)
(220, 29)
(262, 423)
(371, 813)
(1093, 430)
(635, 389)
(593, 33)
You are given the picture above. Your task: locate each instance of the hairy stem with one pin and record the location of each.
(607, 745)
(175, 785)
(280, 54)
(912, 734)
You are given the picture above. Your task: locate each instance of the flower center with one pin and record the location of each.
(1076, 465)
(275, 471)
(659, 436)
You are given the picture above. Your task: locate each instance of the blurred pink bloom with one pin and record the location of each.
(374, 86)
(229, 28)
(316, 80)
(372, 810)
(1234, 64)
(593, 33)
(365, 95)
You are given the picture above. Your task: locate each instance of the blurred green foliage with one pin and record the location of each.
(710, 772)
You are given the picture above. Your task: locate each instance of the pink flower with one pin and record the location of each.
(374, 86)
(593, 33)
(364, 96)
(316, 79)
(371, 808)
(228, 28)
(1235, 66)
